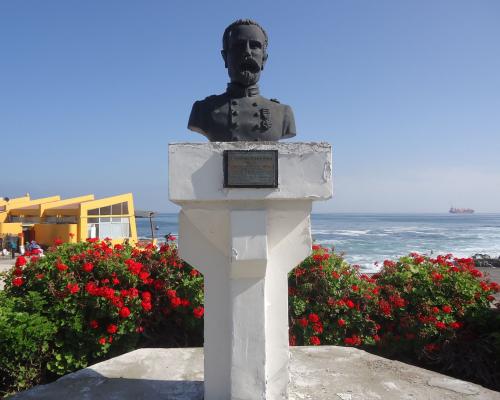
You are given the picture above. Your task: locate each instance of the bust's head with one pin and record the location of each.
(244, 49)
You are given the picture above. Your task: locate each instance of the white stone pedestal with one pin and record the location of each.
(245, 241)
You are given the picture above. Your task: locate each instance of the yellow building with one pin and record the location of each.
(69, 220)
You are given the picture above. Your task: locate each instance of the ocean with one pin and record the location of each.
(369, 239)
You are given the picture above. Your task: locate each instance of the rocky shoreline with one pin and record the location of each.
(485, 261)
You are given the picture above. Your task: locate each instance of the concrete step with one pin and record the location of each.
(318, 373)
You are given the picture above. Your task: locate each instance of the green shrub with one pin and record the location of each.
(85, 302)
(100, 301)
(25, 336)
(330, 302)
(438, 310)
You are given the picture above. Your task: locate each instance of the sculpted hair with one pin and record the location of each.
(228, 30)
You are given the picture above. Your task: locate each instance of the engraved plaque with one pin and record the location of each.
(251, 168)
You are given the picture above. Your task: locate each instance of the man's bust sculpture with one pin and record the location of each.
(241, 113)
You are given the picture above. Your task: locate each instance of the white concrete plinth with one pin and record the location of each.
(245, 241)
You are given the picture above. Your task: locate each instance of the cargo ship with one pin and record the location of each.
(454, 210)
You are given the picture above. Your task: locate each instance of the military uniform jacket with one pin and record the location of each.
(242, 114)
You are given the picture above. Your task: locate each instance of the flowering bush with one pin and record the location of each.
(84, 302)
(101, 300)
(424, 302)
(437, 310)
(330, 302)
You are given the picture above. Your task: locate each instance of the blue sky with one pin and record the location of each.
(407, 92)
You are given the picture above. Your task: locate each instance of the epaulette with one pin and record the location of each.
(275, 100)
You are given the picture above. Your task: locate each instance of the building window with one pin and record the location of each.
(60, 220)
(115, 209)
(24, 220)
(108, 227)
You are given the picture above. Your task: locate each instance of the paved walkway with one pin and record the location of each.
(317, 373)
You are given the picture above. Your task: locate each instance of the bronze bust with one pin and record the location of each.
(241, 113)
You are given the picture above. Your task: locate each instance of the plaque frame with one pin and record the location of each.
(273, 181)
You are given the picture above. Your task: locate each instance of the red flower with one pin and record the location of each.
(440, 325)
(17, 281)
(355, 288)
(143, 275)
(171, 293)
(455, 325)
(352, 341)
(292, 341)
(313, 318)
(88, 267)
(102, 340)
(303, 322)
(314, 340)
(18, 272)
(476, 273)
(316, 247)
(73, 287)
(198, 312)
(133, 266)
(39, 276)
(435, 310)
(146, 296)
(318, 327)
(112, 328)
(175, 302)
(20, 261)
(397, 301)
(335, 274)
(418, 259)
(94, 324)
(384, 307)
(299, 272)
(61, 267)
(91, 288)
(124, 312)
(58, 242)
(194, 273)
(146, 305)
(446, 309)
(436, 276)
(389, 263)
(341, 322)
(117, 302)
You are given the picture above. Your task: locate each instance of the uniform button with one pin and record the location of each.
(234, 102)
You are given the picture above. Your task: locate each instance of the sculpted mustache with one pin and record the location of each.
(250, 65)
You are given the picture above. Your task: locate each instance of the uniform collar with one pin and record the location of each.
(236, 91)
